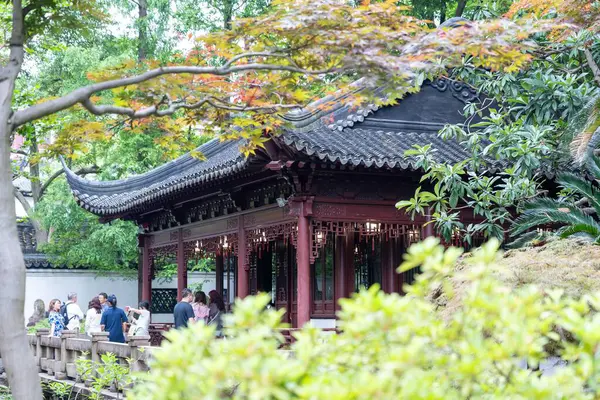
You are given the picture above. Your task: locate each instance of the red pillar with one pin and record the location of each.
(181, 266)
(303, 259)
(428, 229)
(146, 274)
(242, 271)
(219, 273)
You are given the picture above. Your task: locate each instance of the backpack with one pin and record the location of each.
(65, 314)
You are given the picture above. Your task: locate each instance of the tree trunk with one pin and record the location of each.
(142, 30)
(41, 235)
(16, 356)
(460, 8)
(443, 10)
(227, 14)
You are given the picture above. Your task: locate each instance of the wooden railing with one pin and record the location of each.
(157, 332)
(57, 357)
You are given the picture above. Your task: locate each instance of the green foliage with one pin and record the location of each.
(215, 15)
(525, 131)
(564, 212)
(59, 390)
(104, 374)
(5, 393)
(167, 269)
(43, 324)
(79, 239)
(197, 287)
(394, 346)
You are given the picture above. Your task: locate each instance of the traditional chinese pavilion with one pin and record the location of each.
(310, 219)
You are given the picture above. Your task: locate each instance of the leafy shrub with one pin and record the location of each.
(394, 346)
(5, 393)
(43, 324)
(574, 220)
(109, 372)
(58, 390)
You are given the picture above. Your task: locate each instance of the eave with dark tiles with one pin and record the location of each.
(370, 137)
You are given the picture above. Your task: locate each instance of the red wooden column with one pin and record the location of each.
(304, 210)
(219, 273)
(428, 230)
(242, 268)
(146, 271)
(181, 265)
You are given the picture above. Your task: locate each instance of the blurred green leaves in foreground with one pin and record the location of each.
(394, 346)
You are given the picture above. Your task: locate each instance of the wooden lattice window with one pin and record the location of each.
(323, 280)
(229, 273)
(163, 301)
(367, 263)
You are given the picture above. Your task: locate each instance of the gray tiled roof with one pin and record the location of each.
(114, 197)
(371, 147)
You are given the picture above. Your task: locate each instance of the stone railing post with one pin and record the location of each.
(135, 342)
(53, 354)
(39, 351)
(97, 337)
(60, 367)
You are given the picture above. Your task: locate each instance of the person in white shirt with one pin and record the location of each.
(74, 313)
(140, 321)
(93, 316)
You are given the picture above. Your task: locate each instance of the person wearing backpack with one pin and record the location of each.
(71, 312)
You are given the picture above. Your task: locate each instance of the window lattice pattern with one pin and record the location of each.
(163, 301)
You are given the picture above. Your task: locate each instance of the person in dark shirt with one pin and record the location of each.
(113, 321)
(183, 312)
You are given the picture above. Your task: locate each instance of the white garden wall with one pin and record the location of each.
(47, 284)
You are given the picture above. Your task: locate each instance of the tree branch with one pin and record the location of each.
(253, 54)
(592, 64)
(82, 95)
(23, 201)
(83, 171)
(19, 151)
(176, 105)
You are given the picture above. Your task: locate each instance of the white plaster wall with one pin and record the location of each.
(48, 284)
(57, 283)
(21, 213)
(324, 323)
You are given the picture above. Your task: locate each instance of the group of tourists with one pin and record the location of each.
(194, 308)
(102, 315)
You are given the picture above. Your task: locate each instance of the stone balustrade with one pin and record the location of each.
(57, 357)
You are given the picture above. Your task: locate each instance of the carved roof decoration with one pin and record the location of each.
(33, 259)
(341, 115)
(367, 136)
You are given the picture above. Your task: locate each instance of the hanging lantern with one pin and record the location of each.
(372, 227)
(319, 237)
(413, 235)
